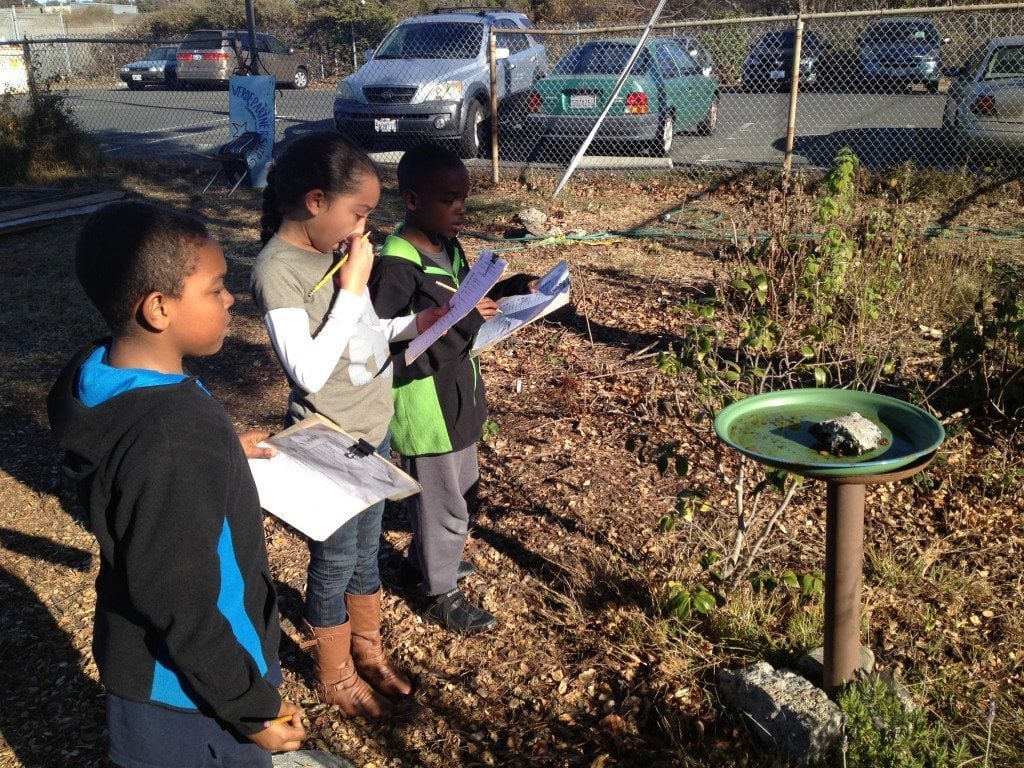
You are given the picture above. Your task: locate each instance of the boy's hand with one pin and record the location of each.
(488, 308)
(282, 736)
(532, 285)
(356, 270)
(249, 440)
(429, 316)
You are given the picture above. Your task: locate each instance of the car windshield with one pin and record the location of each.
(1007, 62)
(776, 40)
(601, 59)
(902, 32)
(454, 40)
(159, 54)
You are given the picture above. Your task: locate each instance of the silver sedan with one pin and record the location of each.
(984, 113)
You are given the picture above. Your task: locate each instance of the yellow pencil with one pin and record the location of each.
(279, 720)
(446, 286)
(337, 265)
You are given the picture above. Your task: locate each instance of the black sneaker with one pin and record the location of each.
(411, 574)
(453, 611)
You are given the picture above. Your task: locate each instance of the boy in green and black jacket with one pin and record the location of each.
(440, 407)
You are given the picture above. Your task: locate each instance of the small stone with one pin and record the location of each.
(849, 435)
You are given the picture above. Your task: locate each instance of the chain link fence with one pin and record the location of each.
(939, 88)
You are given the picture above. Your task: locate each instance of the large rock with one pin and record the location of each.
(789, 713)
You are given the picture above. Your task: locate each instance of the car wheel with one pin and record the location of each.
(710, 121)
(301, 79)
(133, 86)
(932, 86)
(469, 144)
(661, 146)
(171, 82)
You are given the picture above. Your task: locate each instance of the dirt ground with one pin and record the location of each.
(583, 669)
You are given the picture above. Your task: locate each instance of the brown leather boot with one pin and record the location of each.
(336, 679)
(368, 649)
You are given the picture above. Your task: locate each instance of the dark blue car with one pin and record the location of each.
(158, 67)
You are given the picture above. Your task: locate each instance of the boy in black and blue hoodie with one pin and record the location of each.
(440, 406)
(186, 629)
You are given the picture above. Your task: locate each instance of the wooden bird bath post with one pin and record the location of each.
(774, 429)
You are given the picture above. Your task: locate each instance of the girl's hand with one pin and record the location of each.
(429, 316)
(282, 736)
(532, 285)
(488, 308)
(356, 270)
(249, 440)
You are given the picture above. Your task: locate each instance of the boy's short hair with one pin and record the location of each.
(421, 163)
(128, 250)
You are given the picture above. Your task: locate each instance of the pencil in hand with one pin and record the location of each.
(337, 265)
(278, 720)
(446, 286)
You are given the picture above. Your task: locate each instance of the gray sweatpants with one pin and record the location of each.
(439, 514)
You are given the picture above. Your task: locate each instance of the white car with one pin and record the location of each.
(984, 111)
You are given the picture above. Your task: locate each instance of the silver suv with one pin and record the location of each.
(430, 78)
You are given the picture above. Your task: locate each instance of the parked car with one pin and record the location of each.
(665, 93)
(900, 51)
(984, 112)
(208, 56)
(695, 50)
(769, 65)
(158, 67)
(430, 78)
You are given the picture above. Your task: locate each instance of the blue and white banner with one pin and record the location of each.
(251, 110)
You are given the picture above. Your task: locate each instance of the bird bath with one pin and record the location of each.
(774, 429)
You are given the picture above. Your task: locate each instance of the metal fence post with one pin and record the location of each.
(492, 48)
(26, 54)
(794, 95)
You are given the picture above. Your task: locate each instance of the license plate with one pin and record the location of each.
(136, 77)
(778, 74)
(385, 125)
(197, 57)
(582, 101)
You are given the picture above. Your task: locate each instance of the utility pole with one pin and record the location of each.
(250, 20)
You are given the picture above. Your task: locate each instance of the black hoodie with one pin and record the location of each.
(186, 611)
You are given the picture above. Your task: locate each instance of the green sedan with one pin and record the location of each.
(664, 94)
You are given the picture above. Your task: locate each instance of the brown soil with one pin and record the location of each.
(583, 669)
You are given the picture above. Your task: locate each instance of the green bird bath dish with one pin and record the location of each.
(774, 428)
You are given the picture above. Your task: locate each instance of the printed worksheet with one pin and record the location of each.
(322, 477)
(517, 311)
(474, 286)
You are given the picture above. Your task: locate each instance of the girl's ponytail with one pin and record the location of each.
(272, 215)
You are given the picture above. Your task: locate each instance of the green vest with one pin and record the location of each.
(419, 427)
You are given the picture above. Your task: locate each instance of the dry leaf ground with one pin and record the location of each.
(583, 670)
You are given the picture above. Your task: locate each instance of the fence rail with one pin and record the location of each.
(936, 87)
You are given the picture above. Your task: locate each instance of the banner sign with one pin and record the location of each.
(251, 110)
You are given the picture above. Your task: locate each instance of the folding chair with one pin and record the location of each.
(233, 162)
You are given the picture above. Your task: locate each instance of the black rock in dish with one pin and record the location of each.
(849, 435)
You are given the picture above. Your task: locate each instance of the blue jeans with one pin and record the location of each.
(345, 562)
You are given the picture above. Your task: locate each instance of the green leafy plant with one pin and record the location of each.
(882, 731)
(490, 430)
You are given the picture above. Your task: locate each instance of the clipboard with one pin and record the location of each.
(322, 477)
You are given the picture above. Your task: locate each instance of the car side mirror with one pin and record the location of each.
(501, 53)
(368, 54)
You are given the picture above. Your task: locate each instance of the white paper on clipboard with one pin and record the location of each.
(319, 480)
(474, 286)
